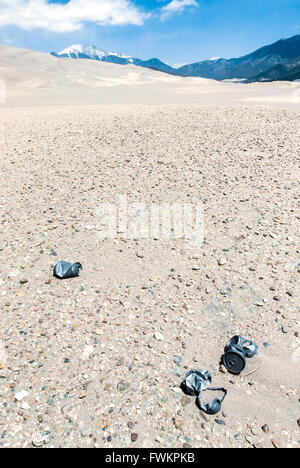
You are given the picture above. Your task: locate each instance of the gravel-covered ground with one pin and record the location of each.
(97, 361)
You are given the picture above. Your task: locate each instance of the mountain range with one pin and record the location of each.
(279, 61)
(80, 51)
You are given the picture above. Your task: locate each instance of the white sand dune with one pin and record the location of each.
(34, 78)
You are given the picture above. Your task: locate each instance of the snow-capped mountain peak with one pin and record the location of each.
(92, 52)
(79, 49)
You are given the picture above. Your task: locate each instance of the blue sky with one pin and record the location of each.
(176, 31)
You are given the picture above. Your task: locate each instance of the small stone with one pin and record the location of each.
(266, 429)
(176, 389)
(37, 440)
(178, 423)
(223, 369)
(298, 422)
(23, 280)
(21, 395)
(25, 406)
(2, 365)
(220, 422)
(158, 336)
(222, 261)
(82, 395)
(185, 400)
(276, 443)
(285, 329)
(178, 360)
(134, 437)
(195, 268)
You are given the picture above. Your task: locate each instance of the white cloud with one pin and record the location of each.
(29, 14)
(177, 6)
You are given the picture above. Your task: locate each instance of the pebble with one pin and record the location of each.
(185, 400)
(222, 261)
(21, 395)
(177, 372)
(37, 440)
(220, 422)
(178, 360)
(158, 336)
(23, 280)
(134, 437)
(266, 429)
(276, 443)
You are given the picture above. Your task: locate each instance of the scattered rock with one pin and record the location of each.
(23, 280)
(185, 400)
(134, 437)
(266, 429)
(21, 395)
(158, 336)
(276, 443)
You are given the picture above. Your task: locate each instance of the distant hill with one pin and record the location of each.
(289, 71)
(278, 61)
(256, 64)
(80, 52)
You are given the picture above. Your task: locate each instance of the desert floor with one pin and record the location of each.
(97, 361)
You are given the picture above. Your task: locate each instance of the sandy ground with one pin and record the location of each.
(88, 351)
(34, 78)
(97, 361)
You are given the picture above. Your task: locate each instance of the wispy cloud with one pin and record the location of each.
(177, 6)
(30, 14)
